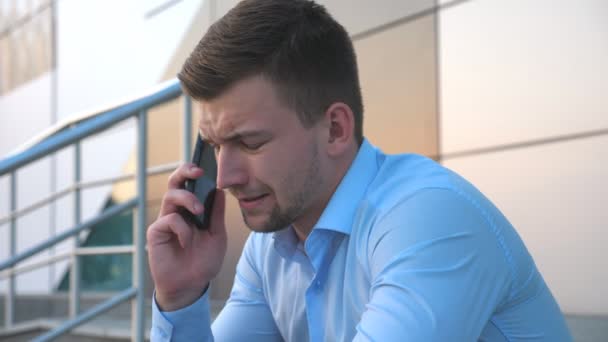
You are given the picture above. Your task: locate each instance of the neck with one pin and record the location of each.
(301, 234)
(339, 169)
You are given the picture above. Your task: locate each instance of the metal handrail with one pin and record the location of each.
(55, 141)
(120, 249)
(72, 133)
(113, 211)
(34, 266)
(171, 87)
(152, 171)
(89, 315)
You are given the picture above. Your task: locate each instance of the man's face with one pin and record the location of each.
(266, 158)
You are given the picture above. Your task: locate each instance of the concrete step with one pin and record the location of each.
(98, 330)
(583, 328)
(587, 328)
(38, 314)
(56, 306)
(114, 325)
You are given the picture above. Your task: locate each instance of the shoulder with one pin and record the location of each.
(414, 201)
(404, 178)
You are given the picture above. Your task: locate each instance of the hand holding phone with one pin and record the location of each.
(183, 259)
(204, 187)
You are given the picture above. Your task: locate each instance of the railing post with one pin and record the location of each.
(75, 271)
(9, 305)
(137, 308)
(187, 129)
(54, 114)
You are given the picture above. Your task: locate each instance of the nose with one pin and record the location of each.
(231, 169)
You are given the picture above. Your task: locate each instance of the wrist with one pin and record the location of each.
(167, 301)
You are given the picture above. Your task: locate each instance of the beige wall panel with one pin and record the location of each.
(520, 70)
(398, 79)
(222, 7)
(555, 196)
(237, 234)
(356, 15)
(362, 15)
(25, 46)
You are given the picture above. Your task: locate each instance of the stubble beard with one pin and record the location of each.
(297, 202)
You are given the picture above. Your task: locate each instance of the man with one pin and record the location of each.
(348, 243)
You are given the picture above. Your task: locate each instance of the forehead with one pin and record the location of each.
(249, 104)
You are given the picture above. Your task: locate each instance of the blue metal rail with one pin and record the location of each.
(73, 134)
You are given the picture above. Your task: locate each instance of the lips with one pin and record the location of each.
(251, 202)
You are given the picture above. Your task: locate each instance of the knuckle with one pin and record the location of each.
(150, 231)
(177, 174)
(183, 169)
(167, 196)
(173, 218)
(174, 174)
(170, 197)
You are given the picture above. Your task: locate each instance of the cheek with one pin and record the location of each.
(279, 169)
(267, 170)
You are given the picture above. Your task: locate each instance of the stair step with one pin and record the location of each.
(97, 330)
(114, 325)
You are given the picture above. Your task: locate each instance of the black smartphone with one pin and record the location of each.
(203, 187)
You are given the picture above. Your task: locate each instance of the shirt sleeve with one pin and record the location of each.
(437, 271)
(245, 317)
(191, 323)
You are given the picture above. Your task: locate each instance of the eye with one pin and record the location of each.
(251, 146)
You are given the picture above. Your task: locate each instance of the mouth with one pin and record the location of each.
(251, 202)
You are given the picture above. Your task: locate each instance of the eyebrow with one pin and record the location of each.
(237, 135)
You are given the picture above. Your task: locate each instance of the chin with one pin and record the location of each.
(256, 223)
(261, 224)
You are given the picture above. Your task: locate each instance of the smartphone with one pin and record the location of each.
(204, 187)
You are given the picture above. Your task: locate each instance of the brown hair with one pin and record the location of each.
(296, 44)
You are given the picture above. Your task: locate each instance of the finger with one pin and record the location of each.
(185, 171)
(167, 227)
(217, 225)
(175, 198)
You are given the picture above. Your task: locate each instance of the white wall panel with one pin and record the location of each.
(24, 112)
(4, 228)
(221, 7)
(520, 70)
(555, 196)
(103, 61)
(33, 184)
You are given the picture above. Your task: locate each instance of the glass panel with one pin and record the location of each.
(106, 272)
(25, 42)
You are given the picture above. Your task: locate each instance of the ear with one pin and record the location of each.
(340, 125)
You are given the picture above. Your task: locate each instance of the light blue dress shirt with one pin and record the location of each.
(405, 250)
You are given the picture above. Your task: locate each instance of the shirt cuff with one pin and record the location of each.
(187, 324)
